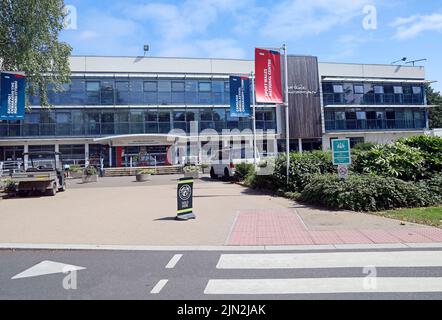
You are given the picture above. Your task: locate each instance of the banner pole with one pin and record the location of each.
(287, 121)
(252, 78)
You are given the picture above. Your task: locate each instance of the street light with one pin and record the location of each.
(146, 49)
(401, 60)
(414, 61)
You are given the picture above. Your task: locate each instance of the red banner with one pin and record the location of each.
(268, 76)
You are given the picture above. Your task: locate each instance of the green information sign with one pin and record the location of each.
(341, 152)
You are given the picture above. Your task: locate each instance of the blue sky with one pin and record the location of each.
(333, 30)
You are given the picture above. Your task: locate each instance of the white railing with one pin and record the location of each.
(8, 167)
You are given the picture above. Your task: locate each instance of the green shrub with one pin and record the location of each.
(303, 166)
(191, 169)
(432, 189)
(146, 171)
(90, 171)
(257, 181)
(431, 148)
(75, 168)
(396, 160)
(9, 186)
(364, 146)
(364, 193)
(243, 170)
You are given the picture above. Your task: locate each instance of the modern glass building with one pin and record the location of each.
(121, 109)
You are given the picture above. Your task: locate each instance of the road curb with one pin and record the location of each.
(78, 247)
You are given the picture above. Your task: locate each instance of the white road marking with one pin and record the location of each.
(173, 262)
(160, 285)
(46, 268)
(321, 286)
(331, 260)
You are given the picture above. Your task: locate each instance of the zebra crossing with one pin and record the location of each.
(369, 281)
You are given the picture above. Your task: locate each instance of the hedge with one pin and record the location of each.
(303, 166)
(370, 193)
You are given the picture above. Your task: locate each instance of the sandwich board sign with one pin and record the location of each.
(341, 152)
(185, 199)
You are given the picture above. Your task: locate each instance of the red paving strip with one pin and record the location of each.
(279, 227)
(325, 237)
(380, 236)
(410, 236)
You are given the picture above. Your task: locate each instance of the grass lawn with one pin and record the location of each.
(430, 216)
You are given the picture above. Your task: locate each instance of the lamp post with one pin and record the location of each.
(287, 121)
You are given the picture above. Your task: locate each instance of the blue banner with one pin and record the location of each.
(240, 97)
(13, 96)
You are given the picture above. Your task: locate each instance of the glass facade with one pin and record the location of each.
(138, 91)
(375, 119)
(372, 94)
(117, 121)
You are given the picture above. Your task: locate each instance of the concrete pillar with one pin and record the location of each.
(57, 157)
(110, 156)
(300, 145)
(26, 157)
(86, 154)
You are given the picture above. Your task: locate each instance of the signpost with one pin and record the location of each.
(13, 96)
(341, 156)
(185, 200)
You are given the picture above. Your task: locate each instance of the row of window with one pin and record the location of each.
(140, 92)
(379, 94)
(354, 119)
(108, 122)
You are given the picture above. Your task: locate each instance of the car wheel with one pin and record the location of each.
(226, 174)
(63, 187)
(212, 174)
(52, 192)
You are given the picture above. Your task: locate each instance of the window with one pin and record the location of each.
(107, 92)
(359, 89)
(178, 96)
(122, 92)
(379, 89)
(178, 86)
(338, 88)
(150, 86)
(355, 141)
(191, 92)
(205, 87)
(93, 92)
(122, 86)
(164, 92)
(417, 90)
(398, 90)
(136, 92)
(360, 115)
(92, 86)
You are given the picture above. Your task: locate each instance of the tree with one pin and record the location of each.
(29, 31)
(435, 99)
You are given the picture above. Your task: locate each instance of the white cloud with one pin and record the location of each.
(413, 26)
(105, 34)
(181, 28)
(298, 18)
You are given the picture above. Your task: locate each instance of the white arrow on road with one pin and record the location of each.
(46, 268)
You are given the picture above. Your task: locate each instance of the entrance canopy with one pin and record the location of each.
(165, 139)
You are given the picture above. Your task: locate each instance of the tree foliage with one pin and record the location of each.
(435, 99)
(29, 32)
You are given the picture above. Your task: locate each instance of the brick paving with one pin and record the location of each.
(284, 227)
